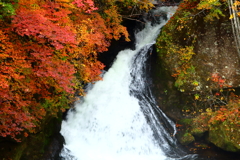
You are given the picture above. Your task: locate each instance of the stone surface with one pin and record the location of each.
(222, 136)
(186, 138)
(215, 54)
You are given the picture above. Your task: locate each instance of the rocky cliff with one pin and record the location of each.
(197, 75)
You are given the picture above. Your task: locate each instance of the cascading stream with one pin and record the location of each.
(118, 119)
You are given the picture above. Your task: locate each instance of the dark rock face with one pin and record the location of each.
(107, 58)
(45, 144)
(55, 145)
(216, 52)
(167, 96)
(54, 148)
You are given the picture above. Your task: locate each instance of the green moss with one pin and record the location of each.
(186, 138)
(225, 137)
(198, 131)
(6, 9)
(186, 121)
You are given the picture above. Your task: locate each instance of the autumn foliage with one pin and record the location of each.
(48, 50)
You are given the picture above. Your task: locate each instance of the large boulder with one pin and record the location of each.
(202, 58)
(225, 136)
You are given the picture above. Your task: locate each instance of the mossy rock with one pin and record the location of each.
(225, 137)
(185, 121)
(198, 131)
(198, 128)
(186, 138)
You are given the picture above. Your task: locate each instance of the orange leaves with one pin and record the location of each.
(113, 20)
(3, 82)
(13, 113)
(93, 36)
(145, 4)
(92, 70)
(65, 3)
(221, 82)
(29, 73)
(178, 125)
(228, 114)
(47, 51)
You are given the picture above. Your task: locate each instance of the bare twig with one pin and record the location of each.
(134, 19)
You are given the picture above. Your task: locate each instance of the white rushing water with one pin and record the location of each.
(115, 120)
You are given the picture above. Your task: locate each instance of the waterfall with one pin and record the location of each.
(118, 119)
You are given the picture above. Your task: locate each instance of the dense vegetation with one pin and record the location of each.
(48, 51)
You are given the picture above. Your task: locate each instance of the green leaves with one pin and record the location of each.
(6, 9)
(213, 8)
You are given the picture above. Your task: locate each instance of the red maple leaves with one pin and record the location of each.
(86, 5)
(39, 25)
(47, 52)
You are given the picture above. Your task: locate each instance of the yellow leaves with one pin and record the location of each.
(231, 16)
(35, 6)
(183, 68)
(195, 83)
(204, 6)
(196, 96)
(180, 27)
(208, 4)
(185, 54)
(236, 3)
(65, 3)
(182, 90)
(183, 22)
(145, 4)
(83, 31)
(31, 4)
(186, 110)
(235, 9)
(212, 8)
(209, 111)
(113, 22)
